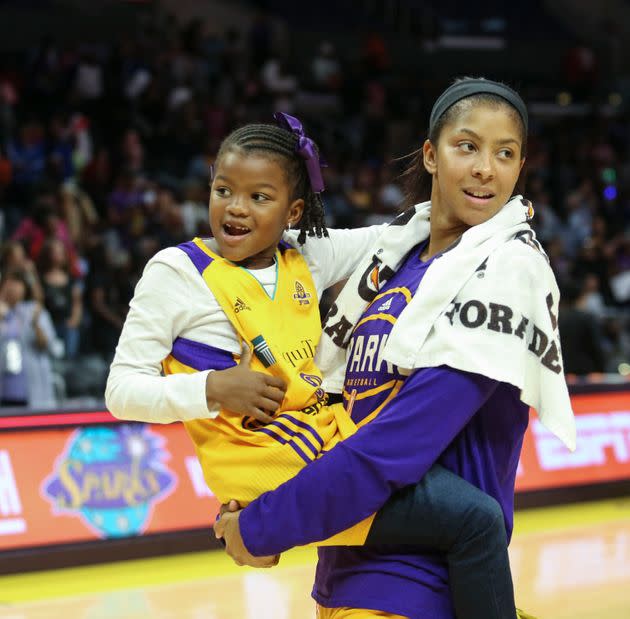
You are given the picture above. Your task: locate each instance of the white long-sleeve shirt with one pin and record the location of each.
(172, 300)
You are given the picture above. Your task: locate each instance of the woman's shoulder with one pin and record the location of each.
(523, 252)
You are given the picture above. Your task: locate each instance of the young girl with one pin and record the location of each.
(461, 298)
(256, 284)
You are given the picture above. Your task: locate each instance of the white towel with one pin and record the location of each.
(488, 304)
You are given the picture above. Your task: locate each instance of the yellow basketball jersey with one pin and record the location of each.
(240, 457)
(283, 332)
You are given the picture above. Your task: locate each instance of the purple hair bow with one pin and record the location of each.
(305, 148)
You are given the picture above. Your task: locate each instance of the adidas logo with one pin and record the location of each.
(385, 306)
(240, 306)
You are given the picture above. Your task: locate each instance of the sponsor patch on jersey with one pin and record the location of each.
(301, 296)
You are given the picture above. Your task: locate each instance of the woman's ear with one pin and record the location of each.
(429, 157)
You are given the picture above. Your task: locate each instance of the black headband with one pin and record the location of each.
(468, 88)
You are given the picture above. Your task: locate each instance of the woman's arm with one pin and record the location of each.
(357, 477)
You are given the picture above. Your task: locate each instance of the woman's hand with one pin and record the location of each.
(227, 528)
(242, 390)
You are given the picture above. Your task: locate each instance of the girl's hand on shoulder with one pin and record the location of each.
(243, 390)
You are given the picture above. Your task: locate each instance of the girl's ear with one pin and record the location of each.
(295, 211)
(429, 157)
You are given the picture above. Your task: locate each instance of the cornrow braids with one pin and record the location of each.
(277, 142)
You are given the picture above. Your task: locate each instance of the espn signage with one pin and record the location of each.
(603, 446)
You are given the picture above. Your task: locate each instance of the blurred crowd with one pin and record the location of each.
(104, 155)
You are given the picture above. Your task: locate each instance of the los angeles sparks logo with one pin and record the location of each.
(301, 296)
(111, 478)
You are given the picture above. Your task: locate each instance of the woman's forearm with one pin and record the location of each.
(355, 478)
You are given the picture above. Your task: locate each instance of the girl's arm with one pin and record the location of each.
(334, 258)
(136, 388)
(357, 477)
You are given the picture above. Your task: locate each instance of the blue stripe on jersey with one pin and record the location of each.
(283, 441)
(201, 356)
(199, 258)
(291, 432)
(306, 427)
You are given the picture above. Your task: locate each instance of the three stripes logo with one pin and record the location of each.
(385, 306)
(262, 351)
(240, 305)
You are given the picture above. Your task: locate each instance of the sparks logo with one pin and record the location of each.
(240, 306)
(385, 306)
(301, 296)
(315, 381)
(111, 478)
(529, 209)
(262, 351)
(10, 505)
(374, 278)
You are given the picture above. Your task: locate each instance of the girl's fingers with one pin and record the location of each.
(260, 415)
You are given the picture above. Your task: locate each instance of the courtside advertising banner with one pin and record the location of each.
(115, 480)
(99, 482)
(603, 446)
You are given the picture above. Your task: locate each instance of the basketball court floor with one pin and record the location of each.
(570, 562)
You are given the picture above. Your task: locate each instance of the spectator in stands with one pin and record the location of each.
(27, 342)
(110, 290)
(43, 225)
(326, 68)
(27, 155)
(581, 343)
(14, 258)
(63, 295)
(79, 213)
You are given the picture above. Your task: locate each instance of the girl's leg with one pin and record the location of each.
(444, 512)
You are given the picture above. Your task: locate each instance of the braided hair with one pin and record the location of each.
(277, 142)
